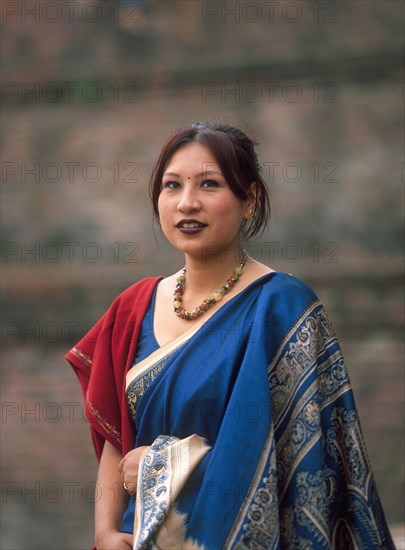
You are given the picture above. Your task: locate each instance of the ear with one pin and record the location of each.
(251, 202)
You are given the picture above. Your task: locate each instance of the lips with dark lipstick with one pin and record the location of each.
(190, 226)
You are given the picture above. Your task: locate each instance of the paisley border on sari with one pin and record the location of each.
(163, 471)
(307, 375)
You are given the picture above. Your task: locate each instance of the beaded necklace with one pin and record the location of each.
(208, 302)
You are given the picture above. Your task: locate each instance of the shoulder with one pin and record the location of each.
(284, 295)
(285, 305)
(284, 285)
(286, 282)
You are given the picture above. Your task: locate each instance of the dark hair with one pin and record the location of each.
(234, 151)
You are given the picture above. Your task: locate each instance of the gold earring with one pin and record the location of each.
(251, 212)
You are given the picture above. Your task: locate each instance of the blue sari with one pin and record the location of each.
(255, 439)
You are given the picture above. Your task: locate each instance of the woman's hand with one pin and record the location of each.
(114, 540)
(129, 467)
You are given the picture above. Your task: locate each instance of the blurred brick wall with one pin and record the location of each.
(87, 101)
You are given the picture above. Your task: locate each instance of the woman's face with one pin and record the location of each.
(199, 213)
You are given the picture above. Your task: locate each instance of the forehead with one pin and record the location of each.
(193, 156)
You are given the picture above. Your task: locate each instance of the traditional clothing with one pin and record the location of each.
(255, 439)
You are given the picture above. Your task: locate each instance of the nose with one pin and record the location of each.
(189, 201)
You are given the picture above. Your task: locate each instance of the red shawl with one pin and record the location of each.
(101, 360)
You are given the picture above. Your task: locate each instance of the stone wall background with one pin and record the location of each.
(90, 91)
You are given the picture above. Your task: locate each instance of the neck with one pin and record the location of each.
(205, 274)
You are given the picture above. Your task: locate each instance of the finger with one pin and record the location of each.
(127, 540)
(130, 486)
(121, 465)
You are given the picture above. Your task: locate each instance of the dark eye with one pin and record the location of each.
(210, 183)
(171, 185)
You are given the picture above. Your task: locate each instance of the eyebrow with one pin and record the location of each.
(204, 173)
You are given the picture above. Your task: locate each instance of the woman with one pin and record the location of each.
(220, 407)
